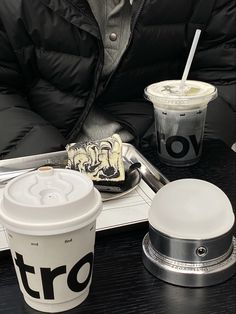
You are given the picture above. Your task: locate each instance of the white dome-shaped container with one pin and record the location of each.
(190, 240)
(191, 209)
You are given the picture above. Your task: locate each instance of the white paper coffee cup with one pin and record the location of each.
(50, 216)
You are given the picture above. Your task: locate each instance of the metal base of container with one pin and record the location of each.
(194, 274)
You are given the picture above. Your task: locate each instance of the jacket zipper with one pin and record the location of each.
(93, 95)
(128, 45)
(74, 132)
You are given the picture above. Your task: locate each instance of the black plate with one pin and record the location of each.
(132, 179)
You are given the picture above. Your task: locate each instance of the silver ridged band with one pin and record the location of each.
(190, 250)
(196, 274)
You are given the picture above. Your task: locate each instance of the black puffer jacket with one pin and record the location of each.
(51, 57)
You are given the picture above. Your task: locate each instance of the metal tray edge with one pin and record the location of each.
(151, 175)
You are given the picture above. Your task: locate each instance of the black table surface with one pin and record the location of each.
(120, 282)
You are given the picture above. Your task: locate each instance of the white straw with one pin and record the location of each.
(190, 58)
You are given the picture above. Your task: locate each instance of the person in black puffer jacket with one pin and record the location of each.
(52, 57)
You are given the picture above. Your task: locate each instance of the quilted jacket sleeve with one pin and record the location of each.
(134, 116)
(22, 131)
(215, 62)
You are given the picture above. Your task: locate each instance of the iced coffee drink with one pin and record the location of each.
(179, 119)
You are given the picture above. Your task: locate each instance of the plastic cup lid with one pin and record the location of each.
(168, 94)
(49, 201)
(191, 209)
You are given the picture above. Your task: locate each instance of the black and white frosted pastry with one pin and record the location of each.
(101, 160)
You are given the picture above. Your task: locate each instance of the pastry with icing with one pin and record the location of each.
(101, 160)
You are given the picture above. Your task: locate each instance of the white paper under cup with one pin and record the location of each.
(50, 219)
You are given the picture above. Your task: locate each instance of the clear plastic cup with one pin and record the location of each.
(50, 217)
(180, 119)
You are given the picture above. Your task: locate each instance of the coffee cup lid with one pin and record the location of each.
(167, 94)
(191, 209)
(49, 201)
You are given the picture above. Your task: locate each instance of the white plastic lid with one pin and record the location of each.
(49, 201)
(191, 209)
(167, 94)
